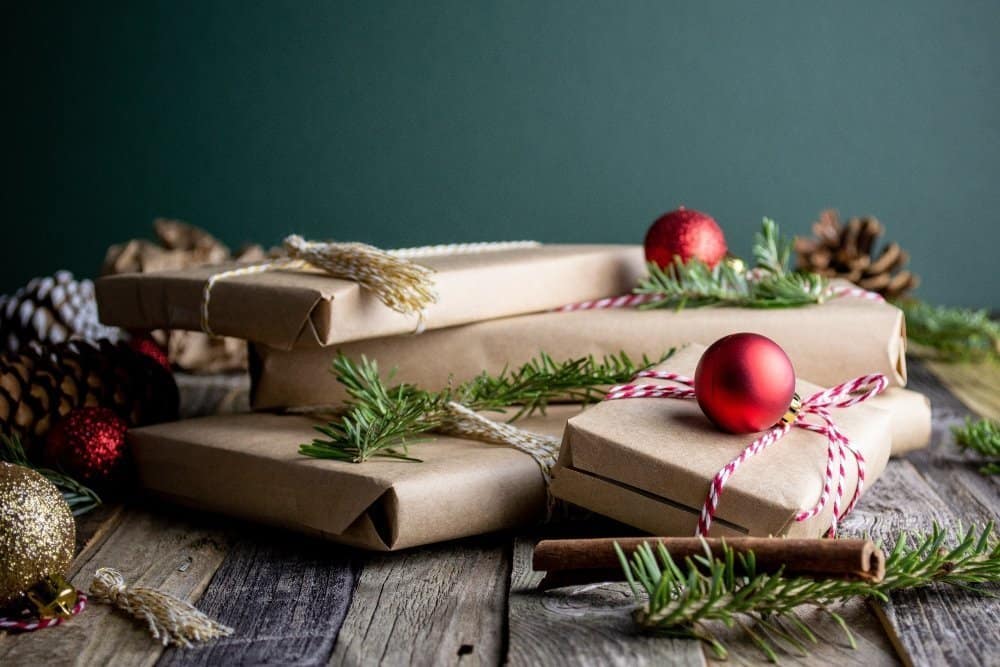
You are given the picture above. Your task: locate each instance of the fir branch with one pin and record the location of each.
(81, 499)
(770, 285)
(952, 334)
(381, 420)
(983, 437)
(684, 599)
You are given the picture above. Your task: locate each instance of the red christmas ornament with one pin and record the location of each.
(144, 344)
(744, 383)
(686, 234)
(88, 443)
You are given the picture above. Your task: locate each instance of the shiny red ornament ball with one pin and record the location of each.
(88, 443)
(744, 383)
(144, 344)
(685, 233)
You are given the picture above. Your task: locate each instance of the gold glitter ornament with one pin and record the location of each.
(37, 532)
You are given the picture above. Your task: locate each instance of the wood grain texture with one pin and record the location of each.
(439, 605)
(159, 550)
(976, 384)
(213, 394)
(285, 597)
(582, 625)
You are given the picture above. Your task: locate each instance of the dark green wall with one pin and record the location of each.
(412, 122)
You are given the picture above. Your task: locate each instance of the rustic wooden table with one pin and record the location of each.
(297, 601)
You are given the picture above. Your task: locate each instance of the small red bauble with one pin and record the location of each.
(686, 234)
(88, 443)
(744, 383)
(144, 344)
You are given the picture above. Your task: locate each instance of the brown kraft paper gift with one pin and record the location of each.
(286, 308)
(827, 343)
(648, 462)
(248, 466)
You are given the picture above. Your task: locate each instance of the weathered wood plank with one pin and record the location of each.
(285, 597)
(439, 605)
(934, 625)
(976, 384)
(582, 625)
(151, 549)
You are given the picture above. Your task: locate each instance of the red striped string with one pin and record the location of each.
(633, 300)
(29, 623)
(819, 404)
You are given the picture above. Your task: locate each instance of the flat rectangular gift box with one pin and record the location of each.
(286, 308)
(827, 343)
(648, 462)
(248, 466)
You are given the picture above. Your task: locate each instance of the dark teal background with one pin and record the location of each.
(411, 123)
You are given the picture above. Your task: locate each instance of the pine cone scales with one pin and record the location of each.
(51, 309)
(41, 384)
(849, 251)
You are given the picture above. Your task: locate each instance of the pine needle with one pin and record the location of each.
(382, 420)
(952, 334)
(81, 499)
(683, 599)
(771, 285)
(983, 437)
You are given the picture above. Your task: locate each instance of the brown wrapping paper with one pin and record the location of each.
(910, 418)
(286, 309)
(649, 462)
(828, 344)
(248, 466)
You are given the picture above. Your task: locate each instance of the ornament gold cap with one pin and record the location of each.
(793, 410)
(53, 597)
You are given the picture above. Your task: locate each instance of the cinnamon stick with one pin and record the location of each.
(579, 561)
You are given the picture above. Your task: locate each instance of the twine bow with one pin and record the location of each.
(170, 620)
(819, 404)
(397, 281)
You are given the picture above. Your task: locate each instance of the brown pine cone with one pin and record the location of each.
(42, 383)
(849, 251)
(51, 309)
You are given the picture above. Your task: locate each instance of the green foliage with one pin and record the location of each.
(381, 420)
(695, 284)
(683, 599)
(983, 437)
(80, 498)
(952, 334)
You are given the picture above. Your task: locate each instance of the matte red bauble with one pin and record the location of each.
(744, 383)
(686, 234)
(88, 443)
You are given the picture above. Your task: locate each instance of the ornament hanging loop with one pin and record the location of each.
(793, 410)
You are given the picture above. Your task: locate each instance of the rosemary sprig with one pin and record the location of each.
(771, 285)
(382, 421)
(81, 499)
(983, 437)
(952, 334)
(683, 599)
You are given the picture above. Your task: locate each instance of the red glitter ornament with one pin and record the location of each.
(686, 234)
(144, 344)
(88, 443)
(744, 383)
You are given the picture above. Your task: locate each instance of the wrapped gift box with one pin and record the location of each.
(285, 308)
(648, 462)
(248, 466)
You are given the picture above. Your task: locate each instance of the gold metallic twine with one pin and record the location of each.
(37, 532)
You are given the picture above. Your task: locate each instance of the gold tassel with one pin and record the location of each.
(170, 619)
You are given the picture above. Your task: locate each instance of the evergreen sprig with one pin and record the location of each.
(983, 437)
(769, 285)
(683, 599)
(81, 499)
(953, 334)
(382, 420)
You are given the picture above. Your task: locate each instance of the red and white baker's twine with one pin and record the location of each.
(839, 445)
(28, 623)
(633, 300)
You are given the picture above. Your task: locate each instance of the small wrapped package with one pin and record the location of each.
(910, 414)
(827, 343)
(248, 466)
(301, 308)
(649, 462)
